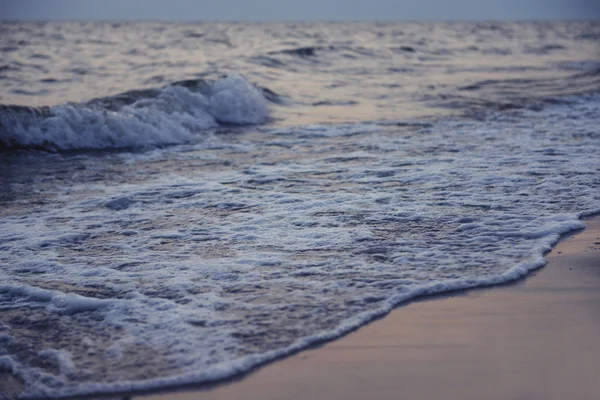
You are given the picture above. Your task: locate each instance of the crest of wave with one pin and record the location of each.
(173, 114)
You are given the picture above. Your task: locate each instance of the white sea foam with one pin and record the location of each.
(175, 115)
(200, 262)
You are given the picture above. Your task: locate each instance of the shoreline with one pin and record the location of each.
(504, 337)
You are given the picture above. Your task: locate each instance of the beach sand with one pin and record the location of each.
(538, 338)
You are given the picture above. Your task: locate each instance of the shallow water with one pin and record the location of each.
(169, 225)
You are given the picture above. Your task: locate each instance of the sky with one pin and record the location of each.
(268, 10)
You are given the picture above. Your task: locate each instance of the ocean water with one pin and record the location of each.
(182, 202)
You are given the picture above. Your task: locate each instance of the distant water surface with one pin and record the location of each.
(314, 72)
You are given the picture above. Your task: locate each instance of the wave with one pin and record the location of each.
(173, 114)
(306, 51)
(314, 54)
(587, 81)
(519, 93)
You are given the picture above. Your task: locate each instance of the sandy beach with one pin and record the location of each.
(533, 339)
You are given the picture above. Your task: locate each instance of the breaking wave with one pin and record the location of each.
(173, 114)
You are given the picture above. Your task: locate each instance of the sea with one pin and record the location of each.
(183, 202)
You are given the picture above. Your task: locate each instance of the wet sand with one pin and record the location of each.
(538, 338)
